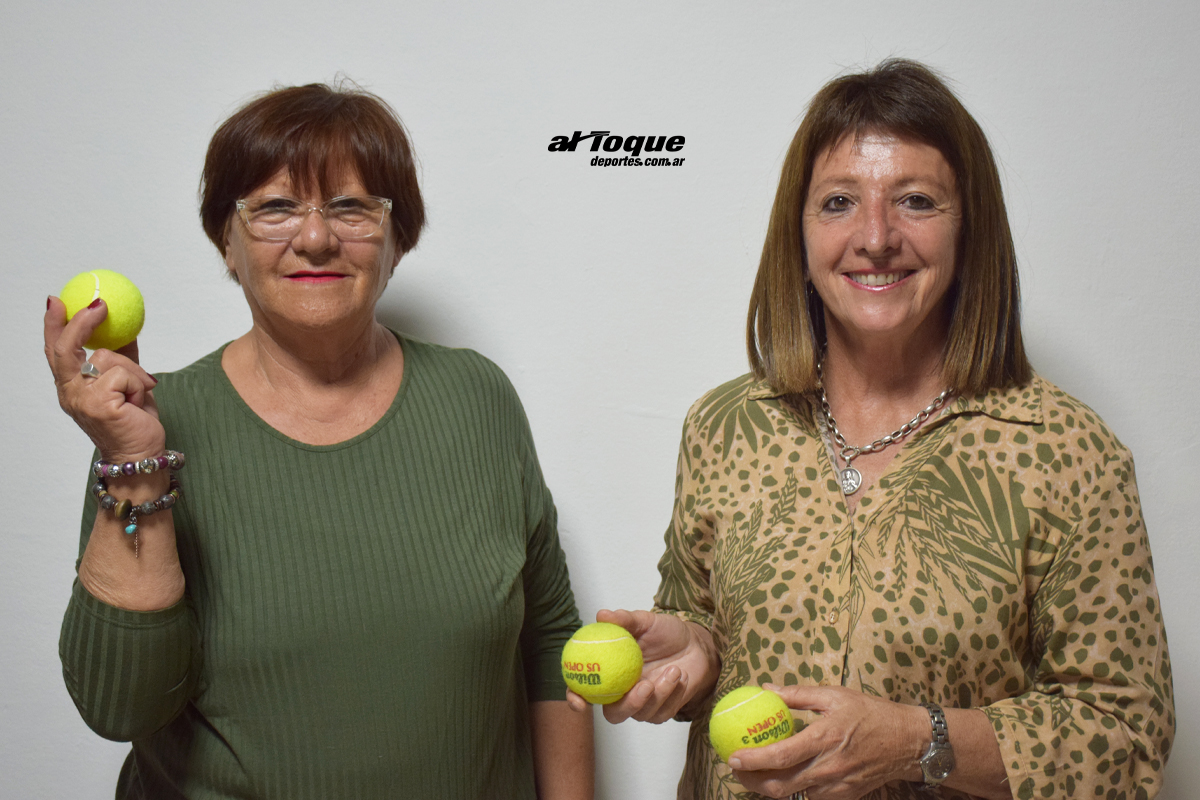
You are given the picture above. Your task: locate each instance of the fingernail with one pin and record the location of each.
(154, 379)
(47, 302)
(770, 687)
(736, 763)
(95, 303)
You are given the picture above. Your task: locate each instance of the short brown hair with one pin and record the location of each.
(315, 132)
(785, 330)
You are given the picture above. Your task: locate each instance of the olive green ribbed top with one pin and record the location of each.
(362, 620)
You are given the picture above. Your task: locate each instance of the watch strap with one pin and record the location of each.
(937, 718)
(938, 761)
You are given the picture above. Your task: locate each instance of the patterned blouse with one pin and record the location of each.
(1000, 563)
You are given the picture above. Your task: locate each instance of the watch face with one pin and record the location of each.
(939, 764)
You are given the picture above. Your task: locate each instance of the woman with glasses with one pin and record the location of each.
(354, 588)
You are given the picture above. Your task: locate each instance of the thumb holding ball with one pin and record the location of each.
(106, 392)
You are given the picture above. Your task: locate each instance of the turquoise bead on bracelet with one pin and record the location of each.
(125, 509)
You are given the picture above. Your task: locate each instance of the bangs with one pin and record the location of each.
(317, 153)
(917, 111)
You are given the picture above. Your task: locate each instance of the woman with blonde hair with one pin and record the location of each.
(936, 557)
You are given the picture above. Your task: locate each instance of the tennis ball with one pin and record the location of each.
(126, 312)
(601, 662)
(749, 717)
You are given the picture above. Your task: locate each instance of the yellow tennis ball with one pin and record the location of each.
(126, 311)
(749, 717)
(601, 662)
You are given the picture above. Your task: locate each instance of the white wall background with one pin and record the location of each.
(613, 297)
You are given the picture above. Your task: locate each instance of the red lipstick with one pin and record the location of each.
(315, 277)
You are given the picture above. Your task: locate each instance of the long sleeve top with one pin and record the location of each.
(1000, 563)
(367, 619)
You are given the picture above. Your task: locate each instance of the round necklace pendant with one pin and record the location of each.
(851, 480)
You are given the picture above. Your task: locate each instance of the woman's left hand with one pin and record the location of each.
(856, 744)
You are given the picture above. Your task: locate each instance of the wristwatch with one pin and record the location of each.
(938, 761)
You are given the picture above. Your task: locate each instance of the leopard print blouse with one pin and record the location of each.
(1001, 563)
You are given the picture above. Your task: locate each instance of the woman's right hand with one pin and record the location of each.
(680, 664)
(116, 410)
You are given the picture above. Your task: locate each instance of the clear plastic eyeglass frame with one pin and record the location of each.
(338, 213)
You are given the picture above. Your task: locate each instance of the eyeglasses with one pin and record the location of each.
(279, 219)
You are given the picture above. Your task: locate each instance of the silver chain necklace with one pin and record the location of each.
(850, 477)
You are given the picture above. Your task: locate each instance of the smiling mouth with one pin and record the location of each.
(877, 278)
(315, 277)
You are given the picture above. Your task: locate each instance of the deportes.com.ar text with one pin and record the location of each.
(630, 161)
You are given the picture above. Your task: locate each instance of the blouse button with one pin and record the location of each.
(833, 617)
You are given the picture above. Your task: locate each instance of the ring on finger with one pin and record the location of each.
(800, 795)
(89, 370)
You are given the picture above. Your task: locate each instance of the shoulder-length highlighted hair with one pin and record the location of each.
(785, 330)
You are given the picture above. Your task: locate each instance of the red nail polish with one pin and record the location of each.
(47, 303)
(154, 379)
(95, 303)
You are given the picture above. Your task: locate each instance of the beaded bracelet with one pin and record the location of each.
(172, 459)
(126, 509)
